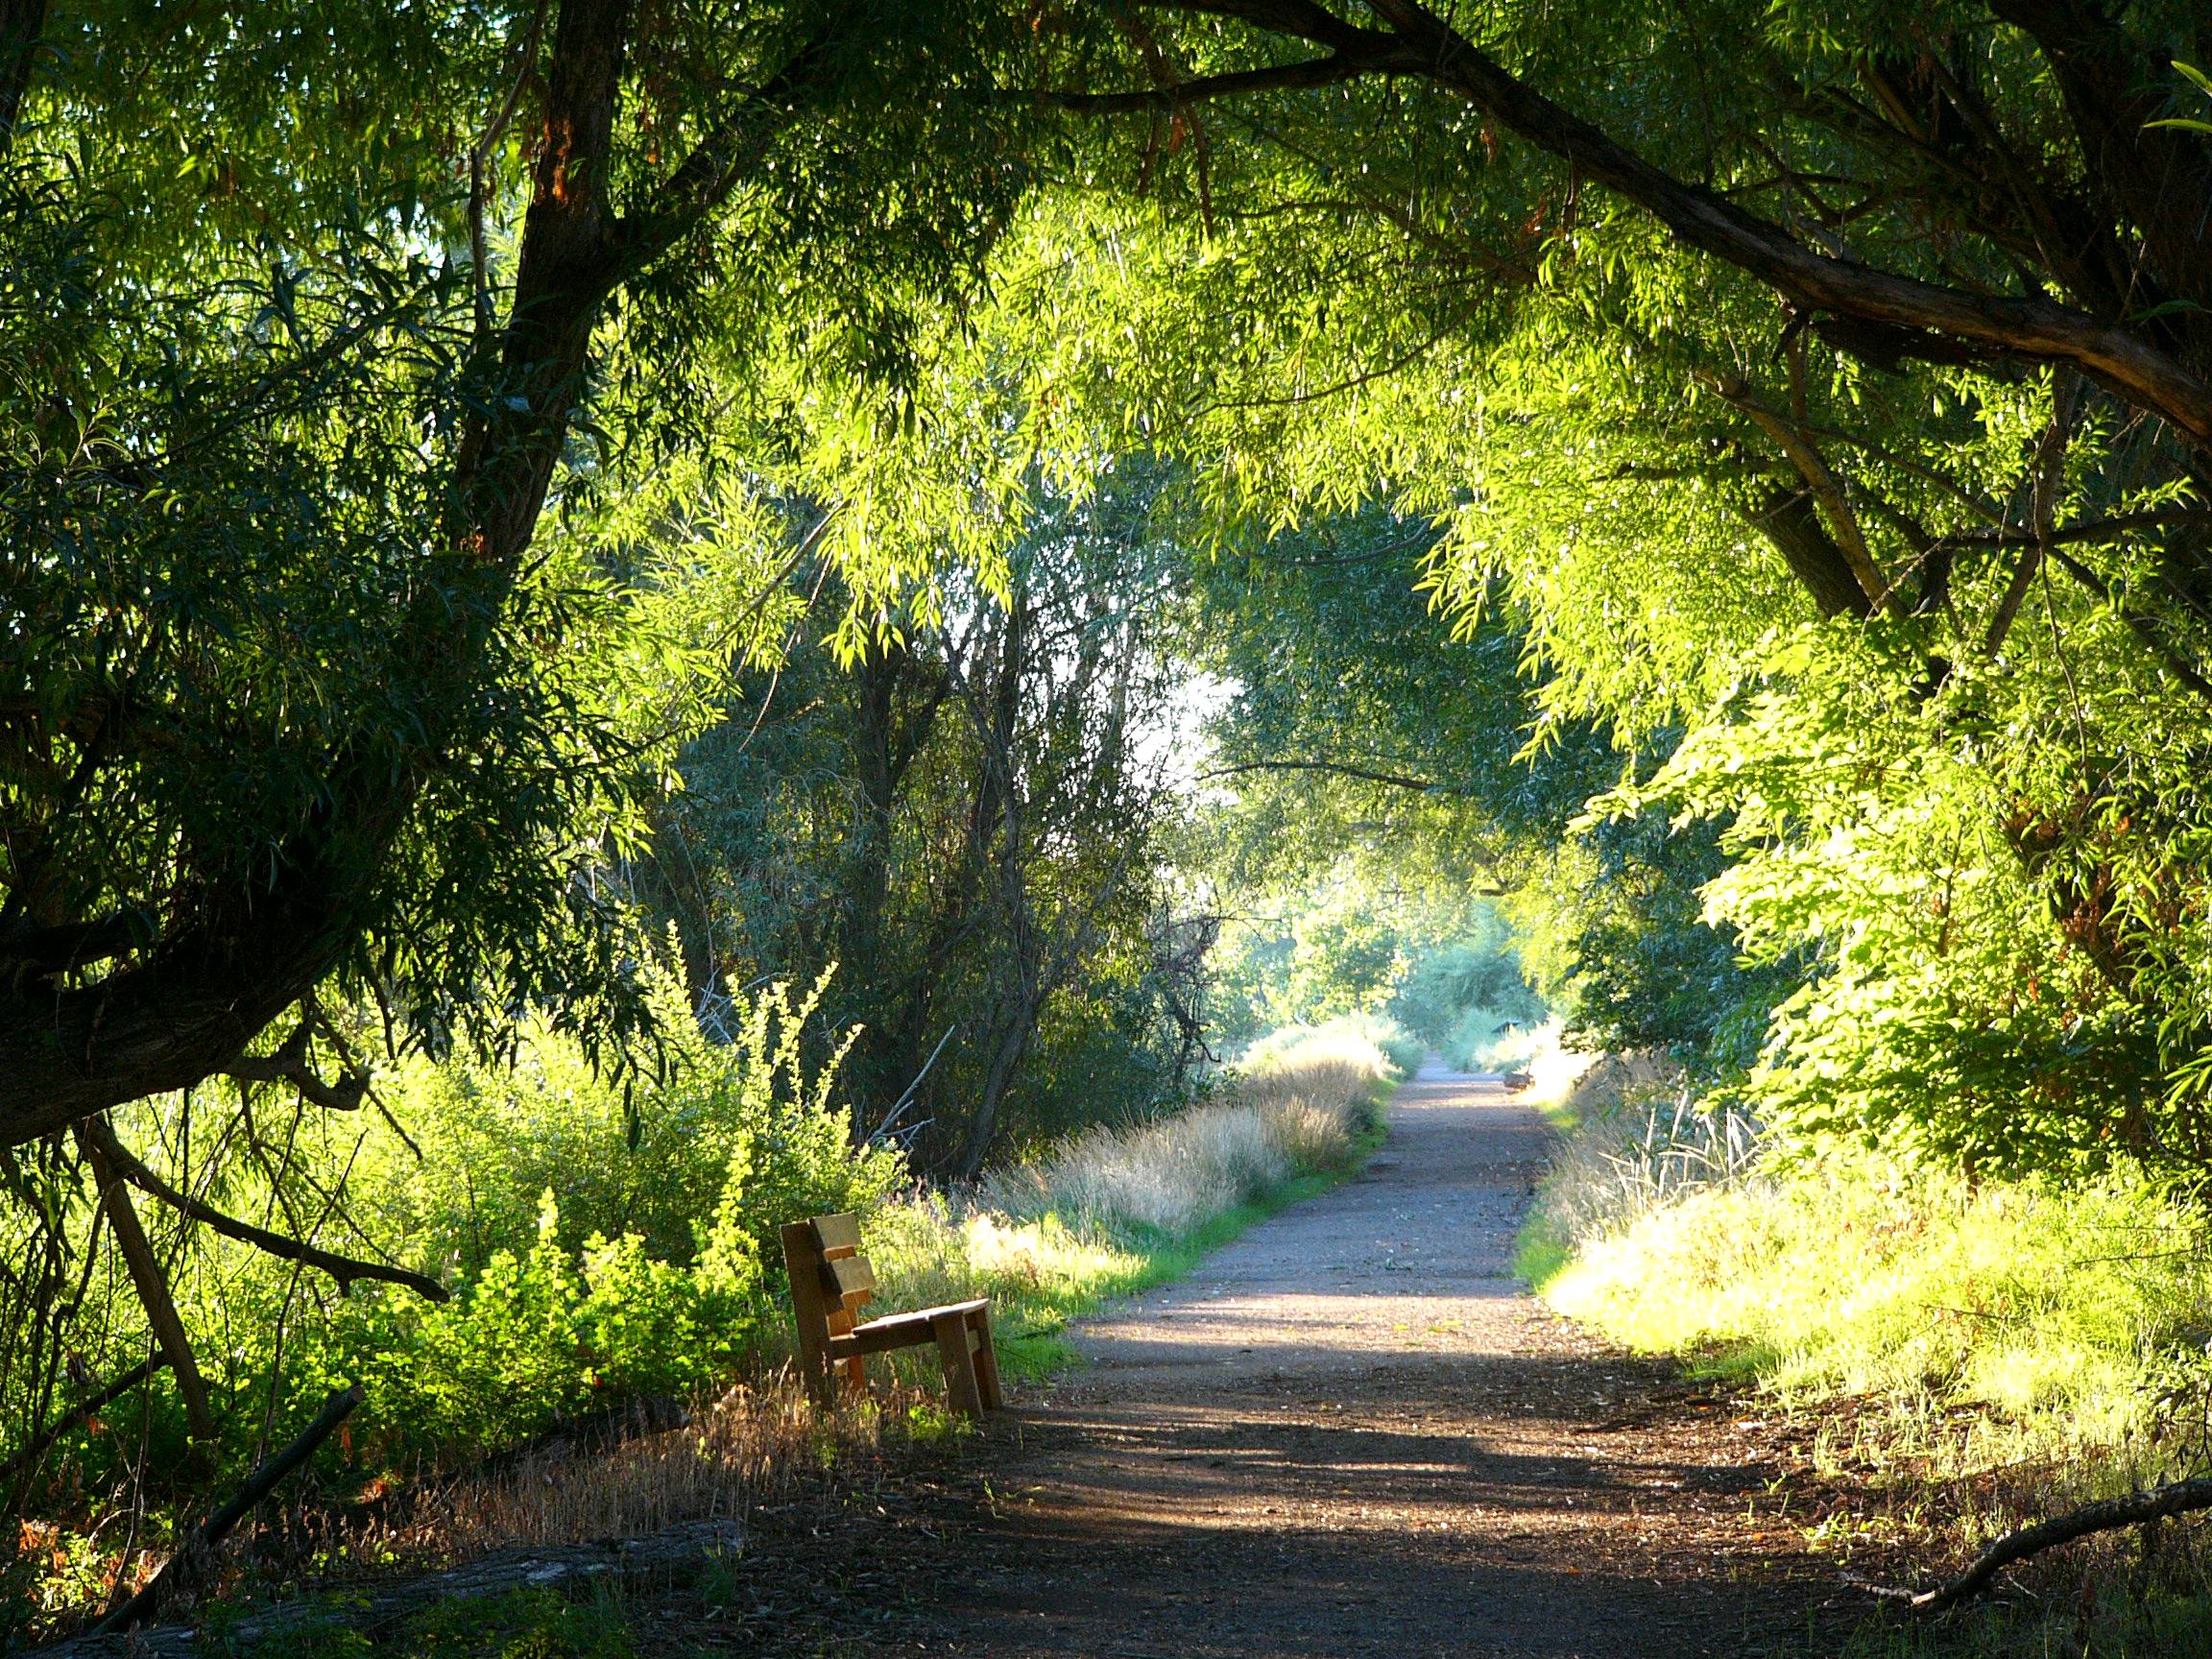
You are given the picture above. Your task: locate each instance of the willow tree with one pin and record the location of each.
(363, 373)
(343, 343)
(1833, 385)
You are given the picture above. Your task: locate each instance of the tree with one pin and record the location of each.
(971, 825)
(1844, 417)
(299, 690)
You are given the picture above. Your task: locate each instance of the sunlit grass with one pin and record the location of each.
(2044, 1304)
(1971, 1356)
(1118, 1211)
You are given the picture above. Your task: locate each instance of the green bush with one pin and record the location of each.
(1500, 1039)
(601, 1238)
(1362, 1041)
(736, 1130)
(651, 1248)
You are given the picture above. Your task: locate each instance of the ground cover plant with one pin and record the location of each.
(2005, 1348)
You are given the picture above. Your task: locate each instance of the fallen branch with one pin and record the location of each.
(217, 1527)
(677, 1555)
(2176, 1498)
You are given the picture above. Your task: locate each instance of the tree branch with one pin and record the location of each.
(2084, 530)
(1790, 521)
(21, 23)
(2026, 326)
(289, 1064)
(142, 1606)
(2050, 459)
(344, 1270)
(2176, 1498)
(706, 175)
(1821, 479)
(1396, 779)
(82, 1412)
(96, 1141)
(2139, 623)
(1329, 71)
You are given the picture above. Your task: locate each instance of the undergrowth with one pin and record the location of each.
(1977, 1354)
(576, 1318)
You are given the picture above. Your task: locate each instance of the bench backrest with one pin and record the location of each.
(830, 1279)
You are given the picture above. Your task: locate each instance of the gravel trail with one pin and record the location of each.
(1353, 1432)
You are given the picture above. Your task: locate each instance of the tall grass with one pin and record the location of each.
(1292, 1108)
(1663, 1221)
(1366, 1043)
(2051, 1306)
(1114, 1211)
(2010, 1349)
(1637, 1138)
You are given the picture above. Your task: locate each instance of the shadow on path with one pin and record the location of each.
(1353, 1432)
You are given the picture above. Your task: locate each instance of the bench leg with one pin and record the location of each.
(961, 1394)
(818, 1372)
(803, 1265)
(986, 1362)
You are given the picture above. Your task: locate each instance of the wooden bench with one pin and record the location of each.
(831, 1280)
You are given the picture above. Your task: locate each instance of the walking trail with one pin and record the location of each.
(1353, 1432)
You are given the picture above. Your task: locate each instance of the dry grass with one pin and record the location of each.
(1638, 1139)
(1297, 1112)
(756, 1444)
(752, 1445)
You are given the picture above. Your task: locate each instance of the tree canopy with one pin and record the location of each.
(416, 415)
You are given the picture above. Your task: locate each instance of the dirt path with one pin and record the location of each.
(1353, 1433)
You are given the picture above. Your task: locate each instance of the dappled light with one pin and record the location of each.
(1135, 828)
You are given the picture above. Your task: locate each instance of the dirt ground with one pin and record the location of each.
(1353, 1432)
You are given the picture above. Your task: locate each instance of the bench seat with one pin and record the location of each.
(901, 1330)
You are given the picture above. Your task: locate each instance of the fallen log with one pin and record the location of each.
(211, 1532)
(2176, 1498)
(675, 1556)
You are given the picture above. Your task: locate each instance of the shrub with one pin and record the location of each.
(645, 1262)
(738, 1125)
(1380, 1048)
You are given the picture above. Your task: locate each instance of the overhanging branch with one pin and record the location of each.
(289, 1064)
(344, 1270)
(1396, 779)
(2026, 326)
(1329, 71)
